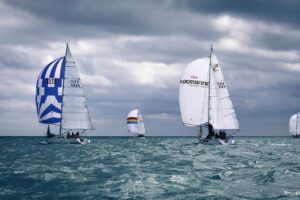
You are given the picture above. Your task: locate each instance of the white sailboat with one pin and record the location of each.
(135, 123)
(61, 103)
(294, 125)
(205, 102)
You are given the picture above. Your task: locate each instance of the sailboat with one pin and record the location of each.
(135, 123)
(294, 125)
(205, 102)
(61, 103)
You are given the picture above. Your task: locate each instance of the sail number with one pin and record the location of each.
(75, 83)
(221, 84)
(51, 81)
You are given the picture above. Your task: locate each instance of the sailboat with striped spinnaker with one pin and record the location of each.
(135, 123)
(61, 103)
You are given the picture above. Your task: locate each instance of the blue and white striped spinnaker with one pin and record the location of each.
(60, 98)
(49, 92)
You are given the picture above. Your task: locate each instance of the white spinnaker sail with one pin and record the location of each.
(132, 121)
(193, 93)
(75, 114)
(222, 114)
(294, 124)
(141, 126)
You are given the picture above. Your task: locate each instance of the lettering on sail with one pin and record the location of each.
(195, 83)
(75, 83)
(215, 67)
(221, 84)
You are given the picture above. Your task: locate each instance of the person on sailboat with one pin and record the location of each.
(223, 135)
(72, 136)
(77, 135)
(211, 132)
(68, 135)
(49, 134)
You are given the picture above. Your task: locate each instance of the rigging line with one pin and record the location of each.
(209, 83)
(203, 104)
(221, 108)
(229, 114)
(224, 98)
(83, 110)
(237, 130)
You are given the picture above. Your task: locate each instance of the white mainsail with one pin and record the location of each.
(294, 124)
(203, 95)
(135, 122)
(141, 126)
(75, 114)
(222, 115)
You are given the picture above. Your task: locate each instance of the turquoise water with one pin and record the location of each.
(150, 168)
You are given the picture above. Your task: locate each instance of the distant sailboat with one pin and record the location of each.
(205, 101)
(135, 123)
(60, 101)
(294, 125)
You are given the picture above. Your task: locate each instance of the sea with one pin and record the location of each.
(150, 168)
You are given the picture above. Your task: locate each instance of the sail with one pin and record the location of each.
(49, 92)
(132, 121)
(222, 114)
(193, 93)
(75, 114)
(141, 126)
(294, 124)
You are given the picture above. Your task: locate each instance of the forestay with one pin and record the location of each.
(75, 114)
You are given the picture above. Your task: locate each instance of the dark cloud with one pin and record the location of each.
(279, 41)
(286, 12)
(126, 17)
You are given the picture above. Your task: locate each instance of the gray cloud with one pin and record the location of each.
(285, 12)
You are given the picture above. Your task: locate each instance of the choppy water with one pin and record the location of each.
(151, 168)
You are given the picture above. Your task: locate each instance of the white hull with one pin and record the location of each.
(217, 141)
(63, 140)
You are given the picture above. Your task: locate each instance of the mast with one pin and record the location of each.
(297, 123)
(137, 125)
(209, 74)
(139, 116)
(62, 94)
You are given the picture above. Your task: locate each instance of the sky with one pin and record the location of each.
(131, 53)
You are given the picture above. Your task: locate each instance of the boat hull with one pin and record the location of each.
(63, 140)
(140, 135)
(217, 141)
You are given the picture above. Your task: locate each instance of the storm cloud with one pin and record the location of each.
(131, 53)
